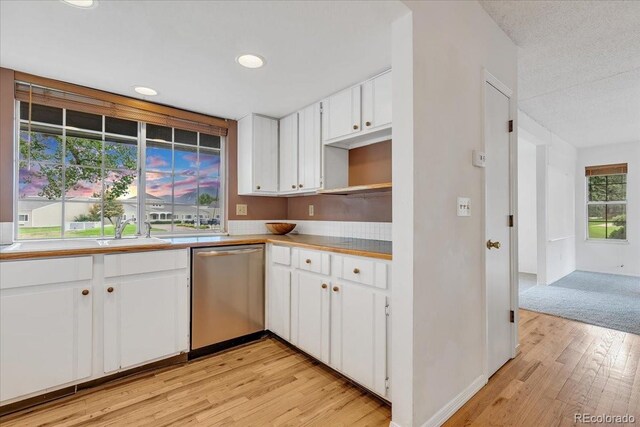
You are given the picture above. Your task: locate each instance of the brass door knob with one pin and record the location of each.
(293, 186)
(494, 245)
(355, 127)
(368, 123)
(308, 261)
(110, 289)
(356, 271)
(85, 292)
(336, 289)
(324, 286)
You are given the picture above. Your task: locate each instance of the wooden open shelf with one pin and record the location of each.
(358, 189)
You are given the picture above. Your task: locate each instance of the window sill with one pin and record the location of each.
(608, 241)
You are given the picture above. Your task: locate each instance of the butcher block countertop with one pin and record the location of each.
(360, 247)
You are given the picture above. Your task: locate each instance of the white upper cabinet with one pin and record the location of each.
(376, 102)
(257, 155)
(359, 115)
(289, 153)
(342, 113)
(309, 149)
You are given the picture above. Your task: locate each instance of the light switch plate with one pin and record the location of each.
(311, 213)
(479, 158)
(464, 206)
(241, 209)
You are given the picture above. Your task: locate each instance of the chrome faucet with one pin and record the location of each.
(120, 226)
(147, 225)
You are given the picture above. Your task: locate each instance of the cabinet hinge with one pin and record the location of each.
(510, 220)
(387, 310)
(512, 316)
(510, 125)
(386, 383)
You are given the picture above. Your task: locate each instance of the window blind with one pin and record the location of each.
(58, 94)
(606, 169)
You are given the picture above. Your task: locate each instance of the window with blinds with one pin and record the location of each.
(607, 201)
(85, 161)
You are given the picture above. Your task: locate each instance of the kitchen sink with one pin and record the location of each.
(58, 245)
(131, 241)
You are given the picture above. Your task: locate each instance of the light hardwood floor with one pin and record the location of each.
(563, 367)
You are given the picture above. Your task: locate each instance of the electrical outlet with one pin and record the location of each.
(241, 209)
(310, 210)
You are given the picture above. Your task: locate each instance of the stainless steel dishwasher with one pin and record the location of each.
(227, 295)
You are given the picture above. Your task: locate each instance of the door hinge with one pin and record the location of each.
(512, 316)
(510, 220)
(387, 310)
(386, 383)
(510, 125)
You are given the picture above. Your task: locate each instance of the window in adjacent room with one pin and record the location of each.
(607, 202)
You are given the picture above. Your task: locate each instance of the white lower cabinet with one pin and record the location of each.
(310, 314)
(45, 324)
(340, 322)
(146, 314)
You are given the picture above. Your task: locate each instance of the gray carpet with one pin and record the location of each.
(607, 300)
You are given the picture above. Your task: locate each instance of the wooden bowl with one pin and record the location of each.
(280, 227)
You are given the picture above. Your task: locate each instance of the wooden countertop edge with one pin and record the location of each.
(146, 248)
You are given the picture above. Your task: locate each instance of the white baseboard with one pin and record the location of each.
(450, 408)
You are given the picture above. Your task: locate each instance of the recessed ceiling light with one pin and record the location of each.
(146, 91)
(82, 4)
(250, 61)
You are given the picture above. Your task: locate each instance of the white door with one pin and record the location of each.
(279, 297)
(45, 338)
(376, 102)
(289, 153)
(310, 148)
(342, 113)
(145, 319)
(359, 335)
(265, 154)
(497, 211)
(310, 314)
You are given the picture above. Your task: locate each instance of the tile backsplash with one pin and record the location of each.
(358, 230)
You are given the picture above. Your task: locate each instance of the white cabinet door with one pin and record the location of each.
(359, 335)
(45, 337)
(310, 314)
(289, 153)
(145, 319)
(342, 113)
(265, 154)
(279, 297)
(376, 102)
(310, 148)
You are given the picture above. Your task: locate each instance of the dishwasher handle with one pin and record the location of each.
(224, 253)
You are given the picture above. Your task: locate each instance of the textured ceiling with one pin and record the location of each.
(578, 66)
(186, 49)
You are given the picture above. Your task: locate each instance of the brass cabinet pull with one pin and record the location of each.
(85, 292)
(336, 289)
(257, 187)
(356, 271)
(308, 261)
(293, 186)
(355, 127)
(324, 286)
(110, 289)
(491, 244)
(368, 123)
(300, 185)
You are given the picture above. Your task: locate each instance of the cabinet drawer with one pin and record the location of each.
(362, 270)
(314, 261)
(281, 255)
(16, 274)
(145, 262)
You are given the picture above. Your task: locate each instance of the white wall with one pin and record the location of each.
(438, 347)
(608, 257)
(527, 217)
